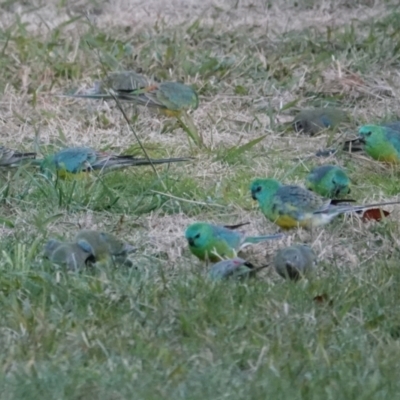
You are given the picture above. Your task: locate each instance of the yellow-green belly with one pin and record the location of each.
(288, 222)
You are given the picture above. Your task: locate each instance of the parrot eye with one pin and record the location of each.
(369, 133)
(258, 189)
(298, 126)
(197, 236)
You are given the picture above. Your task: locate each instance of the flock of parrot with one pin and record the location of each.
(288, 206)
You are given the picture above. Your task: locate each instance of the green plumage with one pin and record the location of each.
(131, 86)
(291, 206)
(381, 142)
(214, 242)
(75, 160)
(328, 181)
(172, 96)
(313, 121)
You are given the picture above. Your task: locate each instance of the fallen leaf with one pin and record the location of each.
(374, 214)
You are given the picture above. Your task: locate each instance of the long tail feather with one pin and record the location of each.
(256, 269)
(100, 96)
(259, 239)
(16, 158)
(339, 201)
(345, 209)
(127, 161)
(24, 155)
(236, 226)
(351, 146)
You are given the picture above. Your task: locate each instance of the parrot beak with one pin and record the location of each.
(191, 241)
(297, 126)
(253, 196)
(292, 272)
(361, 139)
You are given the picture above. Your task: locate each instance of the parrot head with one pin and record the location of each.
(334, 180)
(262, 189)
(371, 134)
(198, 234)
(291, 259)
(341, 182)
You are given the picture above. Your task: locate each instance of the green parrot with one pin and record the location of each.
(291, 206)
(107, 249)
(170, 98)
(233, 268)
(74, 256)
(76, 161)
(381, 142)
(315, 120)
(12, 158)
(328, 181)
(214, 243)
(295, 261)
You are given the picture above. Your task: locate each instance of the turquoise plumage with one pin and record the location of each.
(381, 142)
(215, 242)
(76, 160)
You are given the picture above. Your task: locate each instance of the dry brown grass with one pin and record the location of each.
(276, 53)
(223, 118)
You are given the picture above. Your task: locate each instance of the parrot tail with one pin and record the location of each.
(93, 96)
(336, 210)
(338, 201)
(128, 161)
(264, 238)
(16, 159)
(236, 226)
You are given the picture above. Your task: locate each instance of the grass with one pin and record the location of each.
(162, 329)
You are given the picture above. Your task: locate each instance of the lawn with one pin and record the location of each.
(162, 329)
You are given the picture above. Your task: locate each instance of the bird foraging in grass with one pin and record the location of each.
(170, 98)
(295, 261)
(76, 161)
(107, 249)
(329, 181)
(315, 120)
(74, 256)
(291, 206)
(381, 142)
(213, 243)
